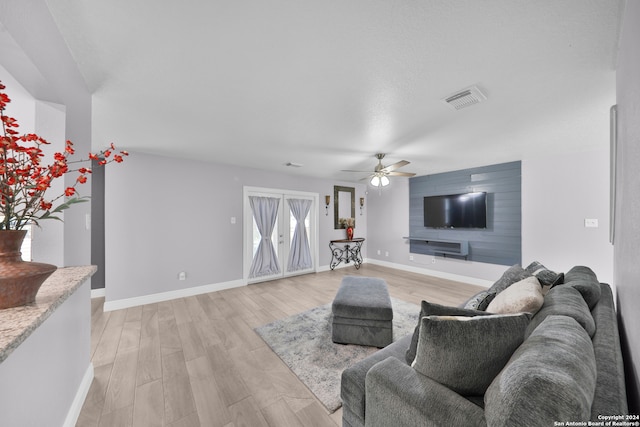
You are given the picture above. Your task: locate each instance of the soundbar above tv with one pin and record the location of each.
(467, 210)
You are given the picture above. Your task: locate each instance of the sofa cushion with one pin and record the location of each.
(548, 279)
(567, 301)
(550, 377)
(523, 296)
(513, 274)
(352, 385)
(585, 281)
(466, 353)
(479, 301)
(431, 309)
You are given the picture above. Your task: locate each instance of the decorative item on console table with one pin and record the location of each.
(24, 181)
(348, 224)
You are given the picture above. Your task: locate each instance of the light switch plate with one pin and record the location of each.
(591, 223)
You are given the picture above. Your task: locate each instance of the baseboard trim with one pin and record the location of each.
(81, 395)
(435, 273)
(181, 293)
(166, 296)
(97, 293)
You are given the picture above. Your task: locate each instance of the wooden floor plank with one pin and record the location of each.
(148, 409)
(247, 414)
(149, 360)
(279, 414)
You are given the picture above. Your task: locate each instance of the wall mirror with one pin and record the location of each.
(344, 205)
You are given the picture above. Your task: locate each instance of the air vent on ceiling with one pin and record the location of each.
(465, 98)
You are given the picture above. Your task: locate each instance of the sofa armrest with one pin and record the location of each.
(610, 395)
(397, 395)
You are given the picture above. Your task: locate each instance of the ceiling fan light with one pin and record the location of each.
(384, 181)
(375, 181)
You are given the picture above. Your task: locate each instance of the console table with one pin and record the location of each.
(346, 250)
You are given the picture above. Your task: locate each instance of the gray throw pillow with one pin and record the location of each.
(430, 309)
(466, 353)
(585, 281)
(512, 275)
(548, 279)
(551, 377)
(479, 301)
(566, 301)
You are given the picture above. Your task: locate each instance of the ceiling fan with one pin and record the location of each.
(380, 176)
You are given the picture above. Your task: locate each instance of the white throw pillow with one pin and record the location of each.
(524, 296)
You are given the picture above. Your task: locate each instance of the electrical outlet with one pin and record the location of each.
(182, 275)
(386, 253)
(410, 257)
(378, 251)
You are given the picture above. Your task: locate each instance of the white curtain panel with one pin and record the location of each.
(299, 254)
(265, 212)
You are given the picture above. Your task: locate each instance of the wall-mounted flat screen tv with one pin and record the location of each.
(468, 210)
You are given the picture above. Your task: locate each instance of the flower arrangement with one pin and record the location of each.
(346, 222)
(25, 179)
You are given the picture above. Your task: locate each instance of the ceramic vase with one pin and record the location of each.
(349, 233)
(19, 280)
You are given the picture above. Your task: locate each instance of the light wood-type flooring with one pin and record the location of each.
(197, 361)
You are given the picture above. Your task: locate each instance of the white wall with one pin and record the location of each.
(44, 380)
(558, 193)
(166, 215)
(627, 241)
(48, 239)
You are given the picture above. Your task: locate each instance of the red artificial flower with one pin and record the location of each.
(70, 191)
(82, 179)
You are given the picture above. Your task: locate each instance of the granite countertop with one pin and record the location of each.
(17, 323)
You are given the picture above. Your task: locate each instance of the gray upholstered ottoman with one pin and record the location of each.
(362, 312)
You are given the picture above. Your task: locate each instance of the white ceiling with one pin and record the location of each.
(327, 84)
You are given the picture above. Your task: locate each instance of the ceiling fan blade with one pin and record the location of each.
(401, 174)
(394, 166)
(350, 170)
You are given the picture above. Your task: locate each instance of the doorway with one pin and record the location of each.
(280, 233)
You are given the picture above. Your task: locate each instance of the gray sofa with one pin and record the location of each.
(568, 366)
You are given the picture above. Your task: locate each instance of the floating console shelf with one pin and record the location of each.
(458, 248)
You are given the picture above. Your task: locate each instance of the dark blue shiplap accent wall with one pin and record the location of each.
(501, 242)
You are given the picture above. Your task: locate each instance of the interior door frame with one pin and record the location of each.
(247, 230)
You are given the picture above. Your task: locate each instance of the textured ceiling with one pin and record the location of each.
(327, 84)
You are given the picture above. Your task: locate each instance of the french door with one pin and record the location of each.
(280, 233)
